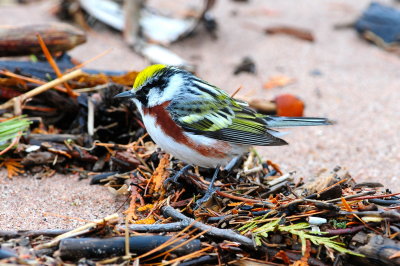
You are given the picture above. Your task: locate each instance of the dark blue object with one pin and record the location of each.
(383, 21)
(44, 71)
(4, 254)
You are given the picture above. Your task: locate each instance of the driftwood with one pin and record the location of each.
(377, 247)
(23, 40)
(74, 249)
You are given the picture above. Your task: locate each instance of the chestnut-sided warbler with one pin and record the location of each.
(199, 123)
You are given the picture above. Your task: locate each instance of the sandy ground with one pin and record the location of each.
(358, 87)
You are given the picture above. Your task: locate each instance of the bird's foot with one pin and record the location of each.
(210, 190)
(233, 164)
(174, 179)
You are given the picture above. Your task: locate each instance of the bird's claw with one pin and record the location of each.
(206, 197)
(174, 179)
(210, 190)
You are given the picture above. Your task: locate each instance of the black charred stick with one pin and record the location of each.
(32, 233)
(95, 248)
(384, 202)
(368, 184)
(324, 205)
(101, 178)
(203, 260)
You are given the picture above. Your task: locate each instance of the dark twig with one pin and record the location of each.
(344, 231)
(33, 233)
(212, 231)
(384, 214)
(353, 196)
(76, 248)
(156, 228)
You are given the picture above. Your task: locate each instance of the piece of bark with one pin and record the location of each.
(41, 157)
(59, 37)
(125, 160)
(76, 248)
(378, 248)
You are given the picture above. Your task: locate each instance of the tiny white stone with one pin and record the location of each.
(316, 220)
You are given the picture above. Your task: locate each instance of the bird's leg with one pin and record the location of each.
(210, 190)
(229, 167)
(180, 173)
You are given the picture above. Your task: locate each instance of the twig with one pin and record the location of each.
(90, 60)
(36, 81)
(53, 64)
(337, 183)
(385, 214)
(352, 196)
(40, 89)
(227, 234)
(281, 179)
(344, 231)
(230, 196)
(14, 142)
(156, 228)
(78, 231)
(236, 91)
(376, 196)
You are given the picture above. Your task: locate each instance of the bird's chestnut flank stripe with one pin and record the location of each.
(170, 128)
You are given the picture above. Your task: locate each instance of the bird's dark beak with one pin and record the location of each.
(125, 94)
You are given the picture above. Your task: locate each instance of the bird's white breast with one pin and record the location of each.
(185, 153)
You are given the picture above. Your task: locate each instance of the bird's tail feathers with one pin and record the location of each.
(283, 121)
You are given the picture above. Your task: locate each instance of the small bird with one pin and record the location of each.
(199, 123)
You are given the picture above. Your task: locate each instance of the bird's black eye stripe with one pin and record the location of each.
(160, 82)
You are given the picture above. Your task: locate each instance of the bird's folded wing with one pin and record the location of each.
(223, 119)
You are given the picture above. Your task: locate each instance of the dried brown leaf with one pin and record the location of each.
(278, 81)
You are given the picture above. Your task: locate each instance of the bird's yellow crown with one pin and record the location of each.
(147, 73)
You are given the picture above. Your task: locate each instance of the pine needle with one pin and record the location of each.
(10, 131)
(299, 230)
(13, 166)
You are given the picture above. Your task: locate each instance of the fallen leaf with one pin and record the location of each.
(278, 81)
